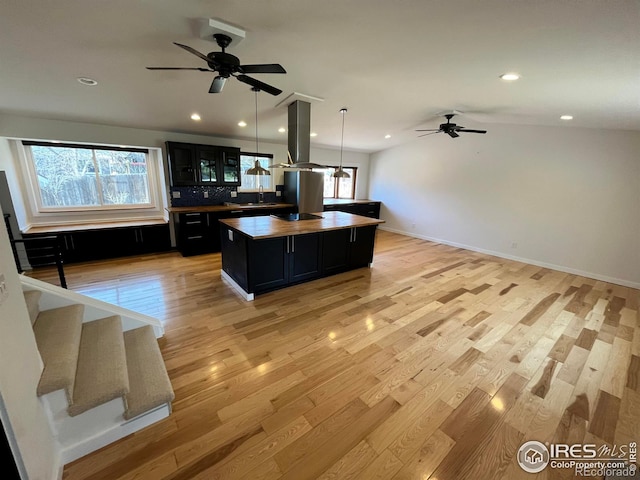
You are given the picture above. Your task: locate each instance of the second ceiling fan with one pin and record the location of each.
(227, 65)
(449, 128)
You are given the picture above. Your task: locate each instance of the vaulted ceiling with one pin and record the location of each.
(395, 64)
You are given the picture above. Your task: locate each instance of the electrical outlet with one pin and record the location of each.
(514, 245)
(413, 226)
(206, 194)
(278, 193)
(175, 194)
(230, 233)
(234, 194)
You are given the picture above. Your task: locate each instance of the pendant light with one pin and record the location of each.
(340, 173)
(257, 169)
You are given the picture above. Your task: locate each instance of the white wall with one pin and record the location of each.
(19, 376)
(568, 197)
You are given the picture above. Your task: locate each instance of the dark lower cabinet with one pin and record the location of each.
(367, 209)
(199, 232)
(347, 249)
(262, 265)
(98, 244)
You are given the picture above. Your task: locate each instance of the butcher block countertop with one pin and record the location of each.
(227, 208)
(270, 227)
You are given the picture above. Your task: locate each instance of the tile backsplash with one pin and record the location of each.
(195, 195)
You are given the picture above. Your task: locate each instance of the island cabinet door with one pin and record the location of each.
(268, 263)
(361, 246)
(304, 257)
(335, 250)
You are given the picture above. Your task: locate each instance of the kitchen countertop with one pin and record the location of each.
(227, 208)
(270, 227)
(71, 227)
(346, 201)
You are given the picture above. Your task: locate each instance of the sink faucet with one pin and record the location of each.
(260, 194)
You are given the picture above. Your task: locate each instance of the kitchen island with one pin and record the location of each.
(261, 254)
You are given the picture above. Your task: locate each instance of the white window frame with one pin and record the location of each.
(36, 195)
(261, 179)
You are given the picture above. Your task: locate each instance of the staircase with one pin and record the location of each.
(99, 383)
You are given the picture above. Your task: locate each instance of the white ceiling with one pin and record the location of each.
(394, 64)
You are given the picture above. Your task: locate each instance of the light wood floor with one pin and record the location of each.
(436, 363)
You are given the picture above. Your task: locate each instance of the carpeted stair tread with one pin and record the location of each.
(32, 298)
(149, 382)
(57, 333)
(102, 366)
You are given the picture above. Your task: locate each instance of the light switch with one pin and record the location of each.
(175, 194)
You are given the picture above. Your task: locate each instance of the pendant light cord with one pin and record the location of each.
(256, 92)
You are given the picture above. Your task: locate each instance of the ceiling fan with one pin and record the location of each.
(228, 65)
(449, 128)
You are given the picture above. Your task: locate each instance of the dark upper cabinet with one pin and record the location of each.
(182, 160)
(194, 164)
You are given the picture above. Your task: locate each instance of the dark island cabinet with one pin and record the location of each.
(347, 249)
(265, 264)
(194, 164)
(272, 262)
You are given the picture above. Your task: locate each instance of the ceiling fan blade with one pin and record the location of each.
(217, 84)
(263, 68)
(471, 131)
(259, 85)
(181, 68)
(429, 130)
(438, 131)
(194, 51)
(453, 134)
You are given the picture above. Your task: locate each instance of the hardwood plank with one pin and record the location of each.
(242, 361)
(605, 417)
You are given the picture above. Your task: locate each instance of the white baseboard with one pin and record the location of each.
(249, 297)
(561, 268)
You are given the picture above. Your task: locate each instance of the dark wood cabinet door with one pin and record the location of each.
(207, 161)
(182, 162)
(361, 248)
(304, 257)
(269, 264)
(153, 238)
(335, 251)
(229, 166)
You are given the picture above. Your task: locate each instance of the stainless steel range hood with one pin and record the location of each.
(299, 122)
(302, 187)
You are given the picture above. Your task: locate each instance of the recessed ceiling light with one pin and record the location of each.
(282, 129)
(242, 123)
(510, 77)
(89, 82)
(313, 134)
(196, 117)
(566, 117)
(387, 136)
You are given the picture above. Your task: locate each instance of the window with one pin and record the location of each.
(253, 182)
(343, 187)
(71, 177)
